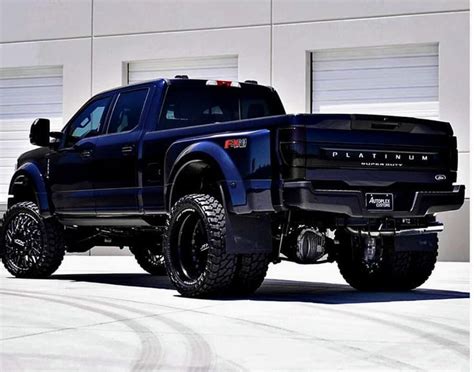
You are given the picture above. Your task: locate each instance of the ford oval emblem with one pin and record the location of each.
(440, 177)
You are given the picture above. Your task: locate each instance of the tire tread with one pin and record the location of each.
(221, 266)
(53, 249)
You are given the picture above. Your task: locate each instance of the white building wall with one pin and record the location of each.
(94, 39)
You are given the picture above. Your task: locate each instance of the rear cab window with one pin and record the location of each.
(186, 106)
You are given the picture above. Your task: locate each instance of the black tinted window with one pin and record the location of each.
(127, 111)
(188, 106)
(88, 122)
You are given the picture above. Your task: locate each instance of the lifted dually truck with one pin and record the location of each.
(210, 181)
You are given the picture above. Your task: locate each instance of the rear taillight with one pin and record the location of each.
(454, 153)
(292, 148)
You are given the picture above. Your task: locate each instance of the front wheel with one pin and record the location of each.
(392, 269)
(150, 258)
(33, 247)
(194, 249)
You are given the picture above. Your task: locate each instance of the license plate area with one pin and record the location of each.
(379, 201)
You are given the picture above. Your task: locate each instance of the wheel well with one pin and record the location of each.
(196, 176)
(23, 190)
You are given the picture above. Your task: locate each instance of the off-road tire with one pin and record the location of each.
(410, 269)
(46, 235)
(250, 273)
(398, 271)
(149, 261)
(220, 267)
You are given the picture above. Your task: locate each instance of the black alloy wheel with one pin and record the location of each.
(194, 249)
(150, 257)
(32, 246)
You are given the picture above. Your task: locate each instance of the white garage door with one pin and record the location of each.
(223, 67)
(393, 80)
(25, 94)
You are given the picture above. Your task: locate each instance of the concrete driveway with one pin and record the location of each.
(104, 313)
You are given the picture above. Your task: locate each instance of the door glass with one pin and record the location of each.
(88, 122)
(127, 111)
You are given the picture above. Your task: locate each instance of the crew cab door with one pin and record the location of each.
(69, 168)
(115, 163)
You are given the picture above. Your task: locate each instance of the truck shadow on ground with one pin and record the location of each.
(280, 290)
(328, 293)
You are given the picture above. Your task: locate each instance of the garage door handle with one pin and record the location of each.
(127, 150)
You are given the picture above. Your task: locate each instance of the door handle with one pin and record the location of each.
(86, 153)
(85, 150)
(127, 149)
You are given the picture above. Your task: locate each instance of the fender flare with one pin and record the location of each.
(29, 172)
(206, 151)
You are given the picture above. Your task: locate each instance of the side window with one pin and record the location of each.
(127, 111)
(88, 122)
(186, 107)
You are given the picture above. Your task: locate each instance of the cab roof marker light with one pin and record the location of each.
(223, 83)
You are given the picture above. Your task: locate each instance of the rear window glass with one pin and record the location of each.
(191, 106)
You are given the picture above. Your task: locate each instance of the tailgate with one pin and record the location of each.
(338, 151)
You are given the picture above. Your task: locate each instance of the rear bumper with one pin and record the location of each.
(302, 195)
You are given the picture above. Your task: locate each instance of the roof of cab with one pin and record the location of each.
(178, 81)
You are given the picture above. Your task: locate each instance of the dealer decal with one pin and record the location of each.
(379, 201)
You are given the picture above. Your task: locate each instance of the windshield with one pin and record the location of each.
(191, 106)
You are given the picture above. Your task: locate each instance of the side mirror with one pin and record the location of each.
(39, 133)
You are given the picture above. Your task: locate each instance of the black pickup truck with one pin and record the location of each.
(210, 181)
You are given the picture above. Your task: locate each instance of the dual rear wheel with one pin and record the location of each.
(395, 269)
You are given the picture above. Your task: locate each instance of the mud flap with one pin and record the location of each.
(248, 234)
(416, 243)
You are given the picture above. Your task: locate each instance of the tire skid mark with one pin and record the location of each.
(150, 356)
(201, 353)
(333, 345)
(230, 365)
(55, 329)
(337, 346)
(446, 327)
(442, 341)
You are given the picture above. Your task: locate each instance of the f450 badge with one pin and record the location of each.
(239, 143)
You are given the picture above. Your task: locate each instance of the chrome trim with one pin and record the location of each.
(433, 229)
